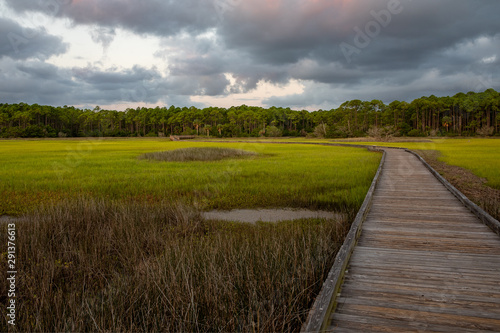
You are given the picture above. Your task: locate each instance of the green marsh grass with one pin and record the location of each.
(296, 176)
(481, 156)
(110, 242)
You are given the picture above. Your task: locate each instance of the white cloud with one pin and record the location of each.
(256, 97)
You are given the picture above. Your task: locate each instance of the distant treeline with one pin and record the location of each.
(463, 114)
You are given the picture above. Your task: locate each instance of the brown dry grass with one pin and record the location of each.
(92, 265)
(197, 154)
(465, 181)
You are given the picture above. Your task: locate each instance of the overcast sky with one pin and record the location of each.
(303, 54)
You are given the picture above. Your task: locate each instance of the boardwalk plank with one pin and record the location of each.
(418, 290)
(363, 324)
(448, 288)
(429, 320)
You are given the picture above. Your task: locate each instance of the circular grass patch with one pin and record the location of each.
(197, 154)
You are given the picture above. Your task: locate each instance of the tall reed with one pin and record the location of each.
(95, 265)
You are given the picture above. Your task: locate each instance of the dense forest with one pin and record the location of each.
(463, 114)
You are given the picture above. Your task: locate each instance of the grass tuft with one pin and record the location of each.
(197, 154)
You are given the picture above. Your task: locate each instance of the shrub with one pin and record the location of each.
(405, 129)
(256, 133)
(382, 133)
(415, 133)
(189, 131)
(321, 130)
(34, 131)
(358, 134)
(13, 132)
(486, 131)
(293, 133)
(343, 132)
(273, 131)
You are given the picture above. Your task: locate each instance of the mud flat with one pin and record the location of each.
(268, 215)
(8, 219)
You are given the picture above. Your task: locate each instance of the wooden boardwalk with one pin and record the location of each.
(423, 263)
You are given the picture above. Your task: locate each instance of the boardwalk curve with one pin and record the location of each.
(423, 262)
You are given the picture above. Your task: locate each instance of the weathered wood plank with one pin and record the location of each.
(433, 231)
(438, 306)
(402, 254)
(449, 287)
(454, 322)
(432, 278)
(487, 296)
(355, 323)
(407, 194)
(424, 245)
(423, 266)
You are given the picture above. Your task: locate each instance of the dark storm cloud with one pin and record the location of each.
(18, 42)
(146, 16)
(339, 49)
(403, 85)
(316, 29)
(199, 62)
(112, 77)
(39, 82)
(306, 37)
(325, 72)
(281, 32)
(200, 85)
(40, 71)
(423, 30)
(34, 82)
(136, 84)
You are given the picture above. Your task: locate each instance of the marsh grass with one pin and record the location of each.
(95, 265)
(279, 176)
(197, 154)
(135, 257)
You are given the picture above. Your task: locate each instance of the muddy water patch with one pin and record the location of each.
(8, 219)
(269, 215)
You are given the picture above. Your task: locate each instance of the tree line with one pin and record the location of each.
(463, 114)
